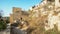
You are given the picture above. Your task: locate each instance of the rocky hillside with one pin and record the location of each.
(44, 18)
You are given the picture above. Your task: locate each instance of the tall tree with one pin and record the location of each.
(2, 23)
(1, 11)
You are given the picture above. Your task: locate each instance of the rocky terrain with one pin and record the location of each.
(44, 18)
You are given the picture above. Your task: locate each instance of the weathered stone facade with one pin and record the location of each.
(49, 10)
(42, 16)
(18, 13)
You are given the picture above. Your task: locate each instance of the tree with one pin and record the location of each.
(2, 23)
(0, 15)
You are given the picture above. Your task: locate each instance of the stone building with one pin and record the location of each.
(11, 18)
(45, 15)
(18, 14)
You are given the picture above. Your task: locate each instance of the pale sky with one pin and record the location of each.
(6, 5)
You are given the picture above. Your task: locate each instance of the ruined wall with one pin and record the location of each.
(47, 10)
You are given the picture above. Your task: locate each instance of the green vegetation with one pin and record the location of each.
(2, 25)
(2, 22)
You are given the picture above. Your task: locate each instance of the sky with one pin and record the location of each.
(7, 5)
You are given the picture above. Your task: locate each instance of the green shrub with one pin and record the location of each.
(2, 25)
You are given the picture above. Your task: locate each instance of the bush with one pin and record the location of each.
(2, 25)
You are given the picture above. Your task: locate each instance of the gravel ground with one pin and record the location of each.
(7, 31)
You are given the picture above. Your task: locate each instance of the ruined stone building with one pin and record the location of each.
(46, 12)
(18, 14)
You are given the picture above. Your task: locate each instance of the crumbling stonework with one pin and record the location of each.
(42, 17)
(46, 12)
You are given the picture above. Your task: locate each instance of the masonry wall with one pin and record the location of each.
(17, 14)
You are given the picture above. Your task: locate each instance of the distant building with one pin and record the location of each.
(6, 19)
(18, 14)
